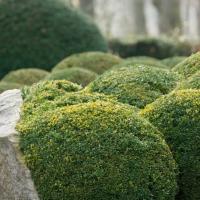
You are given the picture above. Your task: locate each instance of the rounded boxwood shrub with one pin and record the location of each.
(75, 74)
(104, 151)
(173, 61)
(177, 116)
(193, 82)
(141, 60)
(94, 61)
(8, 86)
(189, 66)
(41, 33)
(138, 85)
(25, 76)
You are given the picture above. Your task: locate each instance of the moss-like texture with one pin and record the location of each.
(8, 86)
(138, 85)
(154, 47)
(48, 90)
(75, 74)
(173, 61)
(193, 82)
(177, 116)
(25, 76)
(95, 61)
(97, 150)
(141, 60)
(189, 66)
(41, 33)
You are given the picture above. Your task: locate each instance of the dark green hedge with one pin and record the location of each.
(189, 66)
(153, 47)
(95, 61)
(25, 76)
(177, 116)
(135, 85)
(40, 33)
(97, 150)
(75, 74)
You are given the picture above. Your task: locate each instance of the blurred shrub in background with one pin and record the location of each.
(41, 33)
(153, 47)
(25, 76)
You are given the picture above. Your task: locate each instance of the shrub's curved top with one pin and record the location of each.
(94, 61)
(75, 74)
(189, 66)
(104, 151)
(8, 86)
(141, 60)
(173, 61)
(177, 116)
(193, 82)
(138, 85)
(48, 90)
(25, 76)
(41, 33)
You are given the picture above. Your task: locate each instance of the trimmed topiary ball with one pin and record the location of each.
(173, 61)
(75, 74)
(189, 66)
(141, 60)
(193, 82)
(138, 85)
(104, 151)
(95, 61)
(177, 116)
(41, 33)
(8, 86)
(25, 76)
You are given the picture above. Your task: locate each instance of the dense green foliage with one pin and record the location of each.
(138, 85)
(153, 47)
(94, 61)
(25, 76)
(141, 60)
(177, 116)
(97, 150)
(75, 74)
(173, 61)
(48, 90)
(193, 82)
(43, 32)
(189, 66)
(8, 86)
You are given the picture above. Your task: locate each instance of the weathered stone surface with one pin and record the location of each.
(15, 178)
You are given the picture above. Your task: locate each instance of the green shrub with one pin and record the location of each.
(138, 85)
(48, 90)
(153, 47)
(8, 86)
(173, 61)
(94, 61)
(97, 150)
(43, 32)
(189, 66)
(141, 60)
(75, 75)
(193, 82)
(177, 116)
(25, 76)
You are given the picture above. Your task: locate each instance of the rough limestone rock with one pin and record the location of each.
(15, 178)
